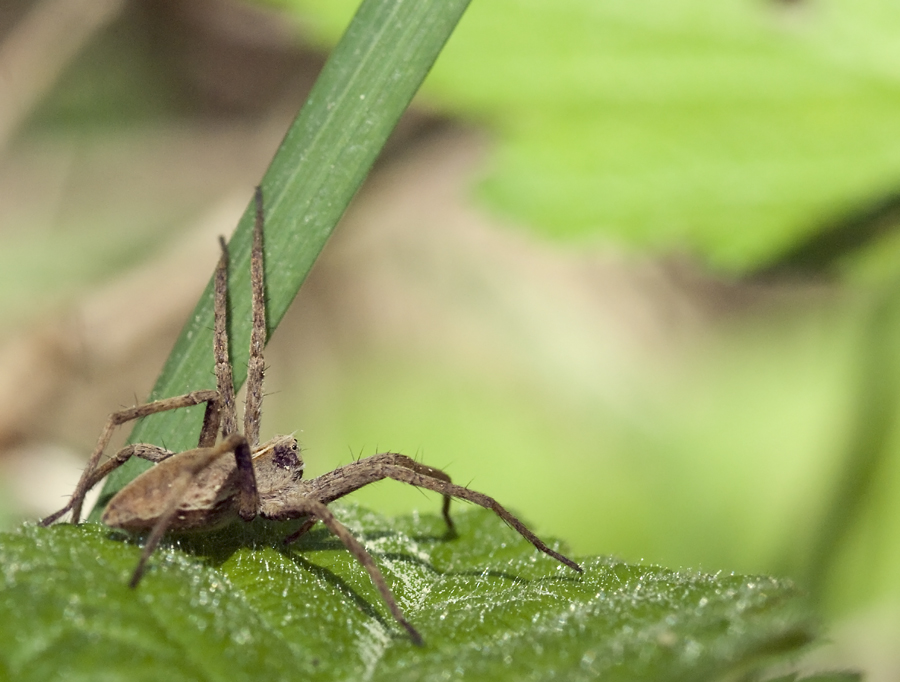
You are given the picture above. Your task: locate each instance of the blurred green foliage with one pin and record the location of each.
(729, 129)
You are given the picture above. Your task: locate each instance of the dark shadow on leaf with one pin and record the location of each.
(216, 547)
(449, 535)
(341, 585)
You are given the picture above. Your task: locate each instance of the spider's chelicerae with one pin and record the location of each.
(215, 484)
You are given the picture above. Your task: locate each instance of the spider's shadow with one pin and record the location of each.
(216, 547)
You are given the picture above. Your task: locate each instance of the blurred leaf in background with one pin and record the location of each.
(723, 129)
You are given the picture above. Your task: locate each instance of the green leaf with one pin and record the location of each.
(730, 129)
(236, 605)
(360, 95)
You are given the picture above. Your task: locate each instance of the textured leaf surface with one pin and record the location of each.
(233, 606)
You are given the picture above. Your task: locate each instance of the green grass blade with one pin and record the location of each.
(369, 80)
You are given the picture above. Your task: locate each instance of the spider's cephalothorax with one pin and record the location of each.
(239, 478)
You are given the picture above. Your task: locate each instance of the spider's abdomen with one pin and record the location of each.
(206, 502)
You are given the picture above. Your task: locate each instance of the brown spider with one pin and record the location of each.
(204, 488)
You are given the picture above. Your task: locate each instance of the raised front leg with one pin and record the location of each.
(224, 375)
(255, 362)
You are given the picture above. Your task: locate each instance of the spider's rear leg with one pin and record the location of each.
(346, 479)
(365, 474)
(88, 477)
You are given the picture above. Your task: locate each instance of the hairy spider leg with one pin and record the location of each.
(328, 487)
(255, 363)
(151, 453)
(88, 477)
(338, 483)
(224, 375)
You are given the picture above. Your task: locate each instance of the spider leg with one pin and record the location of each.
(303, 530)
(376, 471)
(224, 375)
(350, 477)
(116, 419)
(151, 453)
(211, 419)
(236, 444)
(318, 511)
(255, 364)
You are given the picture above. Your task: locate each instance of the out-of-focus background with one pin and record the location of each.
(632, 268)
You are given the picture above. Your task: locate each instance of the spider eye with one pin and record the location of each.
(286, 456)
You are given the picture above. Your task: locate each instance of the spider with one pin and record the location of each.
(239, 478)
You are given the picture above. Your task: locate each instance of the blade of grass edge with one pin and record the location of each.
(366, 85)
